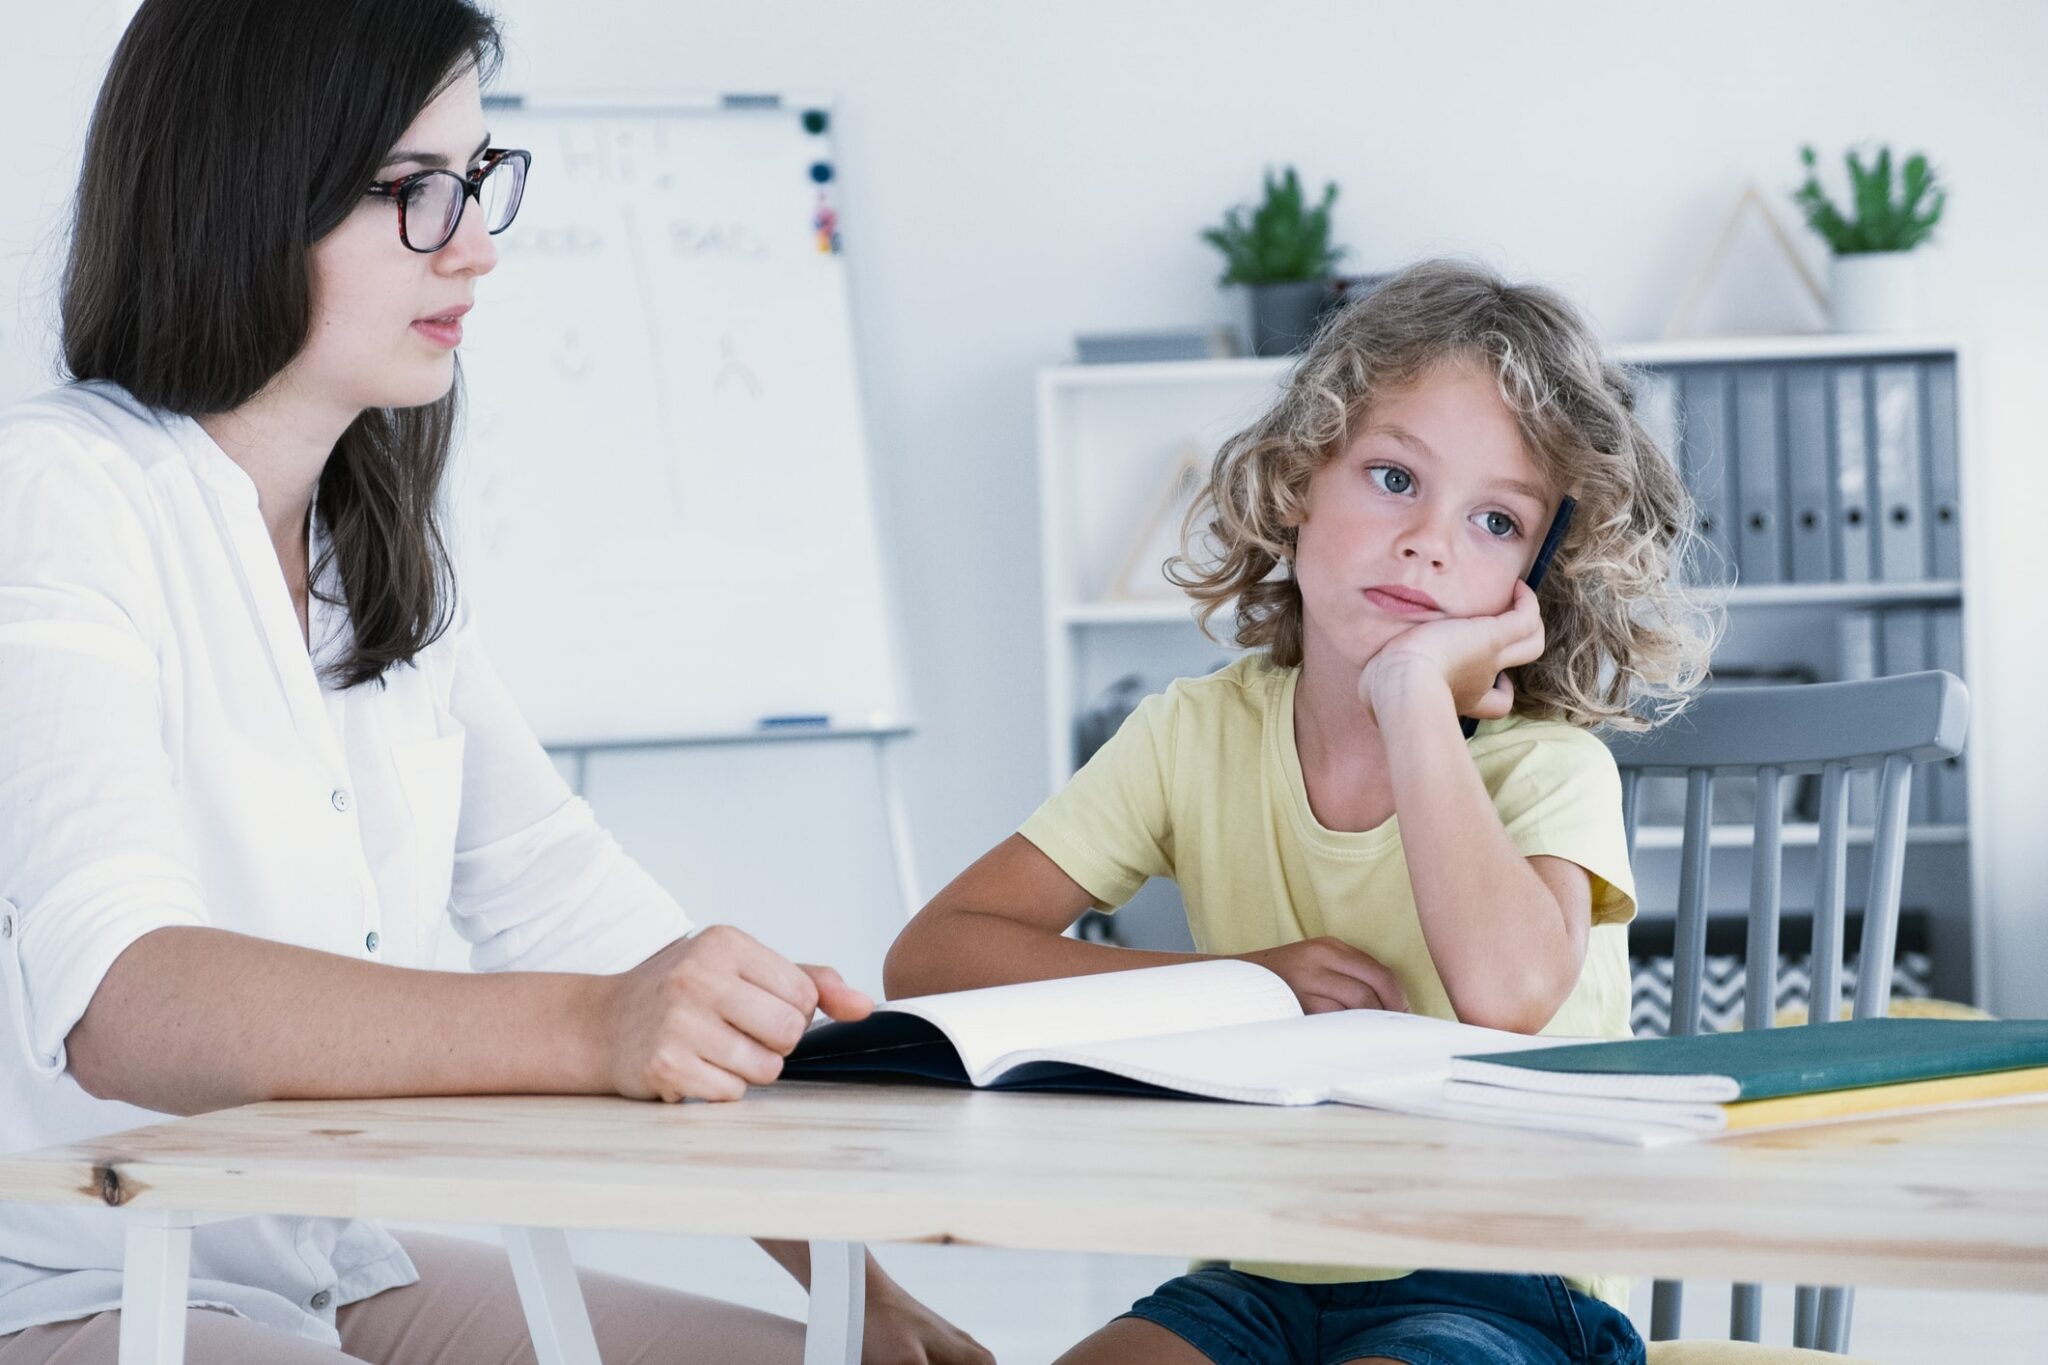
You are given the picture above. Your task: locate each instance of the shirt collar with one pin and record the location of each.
(213, 465)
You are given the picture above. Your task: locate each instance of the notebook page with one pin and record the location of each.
(1702, 1089)
(1285, 1061)
(985, 1024)
(1699, 1118)
(1424, 1096)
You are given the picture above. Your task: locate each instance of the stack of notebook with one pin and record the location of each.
(1657, 1090)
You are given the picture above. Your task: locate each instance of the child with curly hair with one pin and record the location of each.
(1317, 802)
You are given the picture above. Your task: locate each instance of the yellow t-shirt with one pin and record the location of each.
(1203, 784)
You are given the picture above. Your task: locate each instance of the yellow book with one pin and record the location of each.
(1898, 1098)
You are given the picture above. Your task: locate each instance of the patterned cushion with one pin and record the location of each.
(1721, 990)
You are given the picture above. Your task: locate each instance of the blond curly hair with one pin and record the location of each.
(1627, 642)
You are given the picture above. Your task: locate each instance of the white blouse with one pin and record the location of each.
(169, 755)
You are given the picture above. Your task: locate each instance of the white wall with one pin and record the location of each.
(51, 61)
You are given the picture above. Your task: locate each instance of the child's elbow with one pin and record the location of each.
(896, 968)
(1523, 1005)
(907, 960)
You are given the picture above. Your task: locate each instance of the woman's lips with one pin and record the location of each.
(443, 328)
(441, 331)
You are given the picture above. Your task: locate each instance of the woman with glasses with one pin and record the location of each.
(251, 751)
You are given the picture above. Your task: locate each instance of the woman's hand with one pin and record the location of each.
(1328, 974)
(901, 1331)
(1467, 653)
(711, 1014)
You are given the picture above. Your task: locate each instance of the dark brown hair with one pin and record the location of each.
(229, 137)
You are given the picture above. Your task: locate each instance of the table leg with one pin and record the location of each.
(839, 1290)
(153, 1281)
(550, 1296)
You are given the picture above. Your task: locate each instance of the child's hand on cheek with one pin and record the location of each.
(1462, 656)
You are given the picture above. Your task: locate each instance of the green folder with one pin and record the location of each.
(1768, 1063)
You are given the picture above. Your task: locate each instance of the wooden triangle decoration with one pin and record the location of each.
(1138, 576)
(1678, 324)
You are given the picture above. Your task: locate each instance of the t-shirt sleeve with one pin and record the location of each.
(1558, 794)
(1111, 828)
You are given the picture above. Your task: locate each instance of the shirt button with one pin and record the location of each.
(7, 926)
(340, 798)
(370, 940)
(321, 1300)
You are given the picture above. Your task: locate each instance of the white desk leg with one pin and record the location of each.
(153, 1281)
(551, 1297)
(839, 1301)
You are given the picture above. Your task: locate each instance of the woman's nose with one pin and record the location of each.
(471, 251)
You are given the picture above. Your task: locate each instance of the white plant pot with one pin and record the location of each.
(1877, 291)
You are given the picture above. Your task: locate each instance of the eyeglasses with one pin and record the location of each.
(430, 203)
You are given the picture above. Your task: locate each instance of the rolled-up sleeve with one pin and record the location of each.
(539, 885)
(94, 850)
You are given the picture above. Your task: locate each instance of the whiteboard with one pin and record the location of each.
(661, 505)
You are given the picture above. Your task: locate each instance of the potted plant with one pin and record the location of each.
(1281, 252)
(1875, 283)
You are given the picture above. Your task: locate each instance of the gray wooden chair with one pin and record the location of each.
(1771, 734)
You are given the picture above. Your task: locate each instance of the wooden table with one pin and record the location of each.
(1957, 1199)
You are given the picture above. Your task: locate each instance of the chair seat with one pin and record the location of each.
(1742, 1353)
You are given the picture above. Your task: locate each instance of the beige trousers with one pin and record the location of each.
(464, 1310)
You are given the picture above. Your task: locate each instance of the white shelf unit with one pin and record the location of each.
(1108, 438)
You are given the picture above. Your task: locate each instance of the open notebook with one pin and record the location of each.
(1220, 1029)
(1229, 1030)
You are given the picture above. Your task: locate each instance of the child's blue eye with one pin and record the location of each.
(1498, 524)
(1390, 478)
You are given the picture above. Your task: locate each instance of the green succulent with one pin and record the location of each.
(1883, 221)
(1284, 238)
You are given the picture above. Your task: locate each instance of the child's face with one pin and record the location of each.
(1433, 510)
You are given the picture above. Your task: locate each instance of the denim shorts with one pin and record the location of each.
(1432, 1317)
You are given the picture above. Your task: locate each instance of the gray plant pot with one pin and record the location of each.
(1284, 315)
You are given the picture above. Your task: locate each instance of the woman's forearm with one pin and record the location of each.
(192, 1019)
(1495, 932)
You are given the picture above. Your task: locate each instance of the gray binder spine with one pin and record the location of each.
(1944, 484)
(1704, 462)
(1760, 545)
(1853, 534)
(1657, 409)
(1951, 787)
(1901, 490)
(1809, 475)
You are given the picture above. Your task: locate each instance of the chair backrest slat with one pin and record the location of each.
(1760, 973)
(1824, 985)
(1689, 944)
(1887, 873)
(1631, 789)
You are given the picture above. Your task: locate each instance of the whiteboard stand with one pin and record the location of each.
(884, 740)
